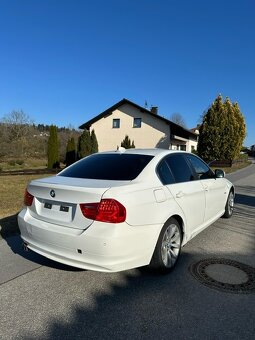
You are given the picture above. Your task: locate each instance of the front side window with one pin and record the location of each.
(116, 123)
(137, 122)
(202, 170)
(180, 168)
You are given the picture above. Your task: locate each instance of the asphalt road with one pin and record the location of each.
(40, 299)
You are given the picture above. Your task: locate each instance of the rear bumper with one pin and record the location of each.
(102, 247)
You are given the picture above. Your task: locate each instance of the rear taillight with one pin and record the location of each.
(28, 199)
(108, 210)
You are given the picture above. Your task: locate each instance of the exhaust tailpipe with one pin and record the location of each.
(25, 246)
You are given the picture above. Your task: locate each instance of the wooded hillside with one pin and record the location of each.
(21, 139)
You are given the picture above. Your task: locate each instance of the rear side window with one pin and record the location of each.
(180, 168)
(116, 167)
(165, 174)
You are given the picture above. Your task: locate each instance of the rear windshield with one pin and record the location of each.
(117, 167)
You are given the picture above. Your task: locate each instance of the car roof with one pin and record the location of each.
(150, 152)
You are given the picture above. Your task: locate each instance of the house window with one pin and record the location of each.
(183, 147)
(116, 123)
(137, 122)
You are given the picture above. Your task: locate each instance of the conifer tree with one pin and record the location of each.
(53, 148)
(70, 152)
(94, 143)
(222, 131)
(84, 144)
(126, 143)
(239, 128)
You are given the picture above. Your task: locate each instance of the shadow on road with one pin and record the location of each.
(121, 311)
(245, 200)
(138, 304)
(9, 226)
(16, 245)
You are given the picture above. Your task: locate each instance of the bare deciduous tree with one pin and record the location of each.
(17, 129)
(18, 124)
(178, 119)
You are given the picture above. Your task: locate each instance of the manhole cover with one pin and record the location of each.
(225, 275)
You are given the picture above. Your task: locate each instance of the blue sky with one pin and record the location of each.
(64, 61)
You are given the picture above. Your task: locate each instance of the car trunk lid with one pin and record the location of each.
(57, 199)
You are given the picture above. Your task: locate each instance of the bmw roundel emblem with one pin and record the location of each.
(52, 193)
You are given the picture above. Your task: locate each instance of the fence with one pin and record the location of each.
(225, 163)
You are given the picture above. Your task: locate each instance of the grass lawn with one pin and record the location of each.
(30, 163)
(12, 190)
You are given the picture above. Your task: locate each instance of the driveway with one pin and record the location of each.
(40, 299)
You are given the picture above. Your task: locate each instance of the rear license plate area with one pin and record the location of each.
(63, 212)
(64, 208)
(47, 205)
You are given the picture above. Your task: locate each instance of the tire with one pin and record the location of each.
(229, 208)
(168, 247)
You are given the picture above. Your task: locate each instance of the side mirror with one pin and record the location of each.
(219, 173)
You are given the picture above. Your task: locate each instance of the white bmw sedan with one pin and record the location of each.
(114, 211)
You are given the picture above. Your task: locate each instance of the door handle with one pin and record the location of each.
(180, 194)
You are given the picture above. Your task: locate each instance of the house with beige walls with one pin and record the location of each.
(145, 127)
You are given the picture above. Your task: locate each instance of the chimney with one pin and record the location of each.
(154, 110)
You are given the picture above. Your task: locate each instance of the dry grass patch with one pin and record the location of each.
(12, 190)
(28, 163)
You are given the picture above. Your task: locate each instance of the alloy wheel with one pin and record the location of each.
(231, 203)
(170, 247)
